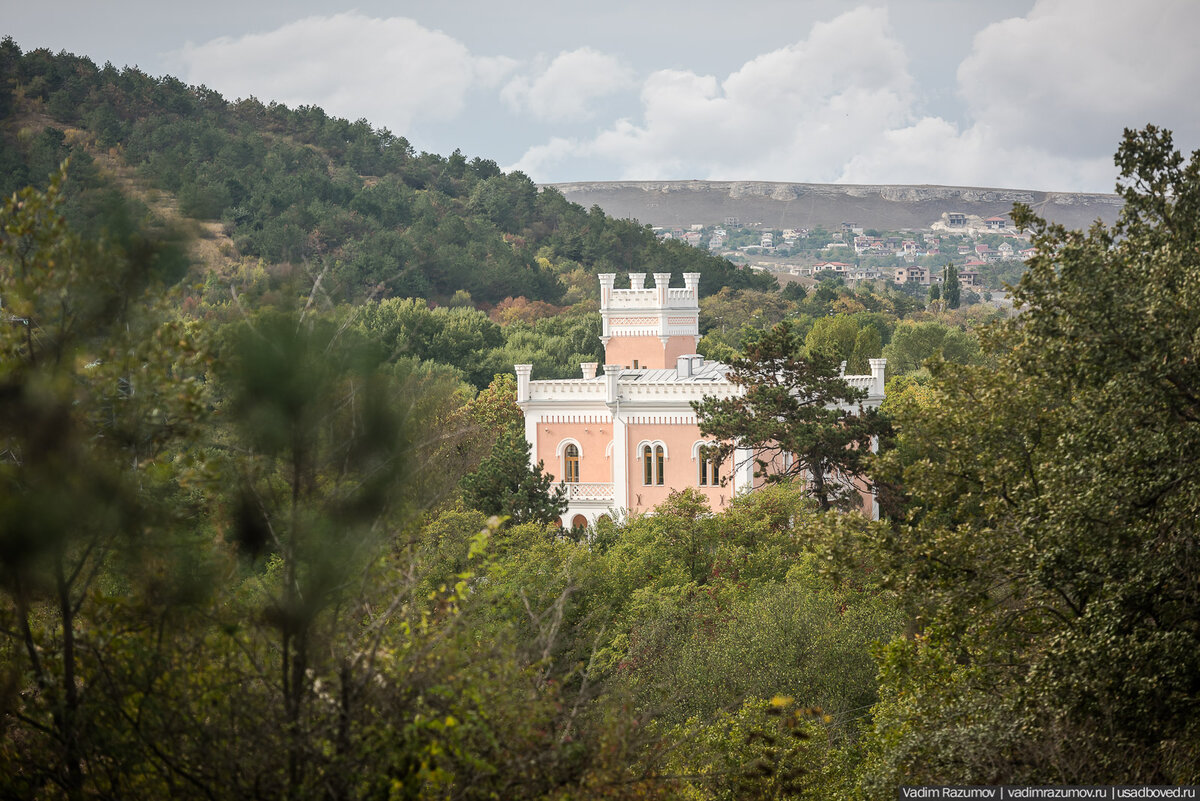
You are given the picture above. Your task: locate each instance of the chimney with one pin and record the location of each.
(637, 280)
(683, 367)
(589, 370)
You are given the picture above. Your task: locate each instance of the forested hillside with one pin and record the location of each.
(297, 186)
(268, 526)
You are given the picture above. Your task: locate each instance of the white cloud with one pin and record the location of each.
(1069, 76)
(799, 110)
(1046, 97)
(392, 71)
(933, 151)
(565, 89)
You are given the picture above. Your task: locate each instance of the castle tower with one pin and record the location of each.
(649, 328)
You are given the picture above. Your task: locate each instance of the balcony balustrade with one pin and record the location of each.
(589, 491)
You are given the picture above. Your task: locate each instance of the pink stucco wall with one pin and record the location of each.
(593, 439)
(681, 470)
(648, 351)
(676, 347)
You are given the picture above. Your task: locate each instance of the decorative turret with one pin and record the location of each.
(878, 370)
(524, 371)
(649, 328)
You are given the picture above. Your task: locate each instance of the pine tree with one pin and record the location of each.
(506, 484)
(795, 406)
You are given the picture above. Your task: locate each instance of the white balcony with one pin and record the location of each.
(589, 491)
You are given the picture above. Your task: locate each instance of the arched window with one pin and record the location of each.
(579, 522)
(708, 469)
(710, 472)
(654, 458)
(571, 464)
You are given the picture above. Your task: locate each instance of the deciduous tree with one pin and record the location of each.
(1050, 550)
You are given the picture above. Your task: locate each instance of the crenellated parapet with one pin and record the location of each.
(632, 319)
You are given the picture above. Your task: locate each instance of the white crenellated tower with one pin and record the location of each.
(649, 328)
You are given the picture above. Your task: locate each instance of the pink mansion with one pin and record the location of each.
(623, 440)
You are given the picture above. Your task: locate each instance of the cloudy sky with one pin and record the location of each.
(1006, 93)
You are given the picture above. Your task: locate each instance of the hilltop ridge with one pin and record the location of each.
(805, 205)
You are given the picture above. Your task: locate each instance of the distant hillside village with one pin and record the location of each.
(987, 252)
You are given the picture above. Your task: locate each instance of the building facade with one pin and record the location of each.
(621, 441)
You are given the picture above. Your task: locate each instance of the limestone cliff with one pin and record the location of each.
(789, 205)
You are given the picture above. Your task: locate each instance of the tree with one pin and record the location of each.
(329, 457)
(506, 484)
(952, 289)
(832, 337)
(1049, 550)
(92, 391)
(730, 308)
(798, 418)
(935, 293)
(914, 343)
(868, 344)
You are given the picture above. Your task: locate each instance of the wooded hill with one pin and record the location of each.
(296, 186)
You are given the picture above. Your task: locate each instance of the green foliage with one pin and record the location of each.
(507, 485)
(952, 290)
(555, 346)
(729, 310)
(692, 655)
(461, 337)
(1048, 550)
(832, 338)
(683, 616)
(765, 749)
(867, 345)
(914, 343)
(296, 186)
(797, 417)
(92, 393)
